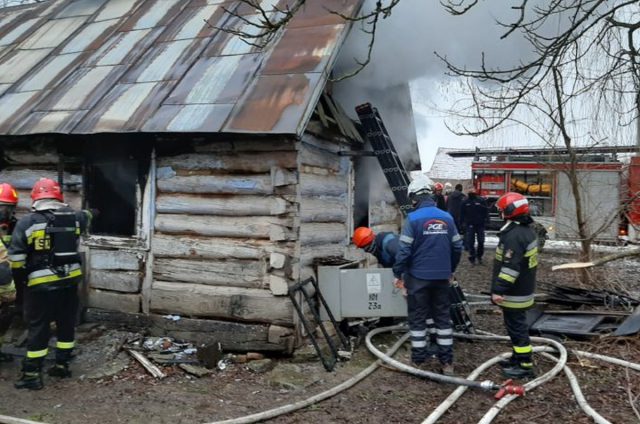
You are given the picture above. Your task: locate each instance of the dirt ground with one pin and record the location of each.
(122, 392)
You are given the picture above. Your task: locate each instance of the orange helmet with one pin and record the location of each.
(512, 205)
(46, 188)
(438, 186)
(363, 236)
(8, 194)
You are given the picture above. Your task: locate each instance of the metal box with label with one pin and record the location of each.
(360, 293)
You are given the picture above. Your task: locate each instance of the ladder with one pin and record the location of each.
(385, 151)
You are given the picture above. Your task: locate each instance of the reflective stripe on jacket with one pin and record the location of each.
(514, 268)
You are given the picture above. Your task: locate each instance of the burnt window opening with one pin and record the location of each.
(115, 176)
(361, 192)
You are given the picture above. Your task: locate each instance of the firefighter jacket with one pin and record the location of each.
(430, 246)
(44, 246)
(474, 211)
(386, 249)
(514, 268)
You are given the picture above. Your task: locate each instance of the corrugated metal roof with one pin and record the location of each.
(88, 66)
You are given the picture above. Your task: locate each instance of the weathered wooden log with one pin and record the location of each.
(115, 259)
(256, 227)
(314, 156)
(322, 233)
(184, 246)
(114, 301)
(283, 177)
(121, 281)
(321, 185)
(220, 205)
(309, 254)
(24, 179)
(233, 336)
(74, 199)
(31, 157)
(235, 162)
(231, 273)
(217, 184)
(200, 300)
(240, 146)
(323, 209)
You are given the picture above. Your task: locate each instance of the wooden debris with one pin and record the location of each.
(152, 369)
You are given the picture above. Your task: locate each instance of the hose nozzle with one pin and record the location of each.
(508, 388)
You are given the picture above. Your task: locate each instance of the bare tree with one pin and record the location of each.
(582, 52)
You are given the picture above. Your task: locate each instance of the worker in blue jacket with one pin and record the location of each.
(383, 246)
(428, 254)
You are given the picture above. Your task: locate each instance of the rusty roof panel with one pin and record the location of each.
(19, 62)
(80, 8)
(17, 32)
(49, 122)
(125, 107)
(52, 70)
(166, 61)
(316, 13)
(124, 47)
(84, 66)
(194, 22)
(91, 37)
(189, 118)
(216, 80)
(116, 9)
(82, 89)
(303, 50)
(273, 104)
(153, 14)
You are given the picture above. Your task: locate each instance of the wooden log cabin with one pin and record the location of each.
(215, 165)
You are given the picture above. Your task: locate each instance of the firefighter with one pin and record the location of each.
(429, 251)
(383, 246)
(439, 197)
(514, 280)
(474, 213)
(8, 293)
(44, 256)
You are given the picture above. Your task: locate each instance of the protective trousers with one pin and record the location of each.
(429, 300)
(473, 233)
(515, 320)
(41, 308)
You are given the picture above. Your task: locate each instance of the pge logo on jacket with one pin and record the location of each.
(435, 226)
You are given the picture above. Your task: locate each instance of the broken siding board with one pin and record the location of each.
(220, 205)
(322, 233)
(221, 302)
(323, 209)
(255, 227)
(114, 301)
(238, 162)
(121, 281)
(114, 260)
(233, 336)
(230, 273)
(322, 185)
(207, 248)
(217, 184)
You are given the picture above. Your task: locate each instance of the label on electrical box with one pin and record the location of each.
(374, 284)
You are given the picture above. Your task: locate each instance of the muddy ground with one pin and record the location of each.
(110, 387)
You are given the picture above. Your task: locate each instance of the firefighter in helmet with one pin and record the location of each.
(8, 202)
(428, 253)
(383, 246)
(439, 197)
(514, 280)
(44, 256)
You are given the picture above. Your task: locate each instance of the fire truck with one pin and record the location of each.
(540, 174)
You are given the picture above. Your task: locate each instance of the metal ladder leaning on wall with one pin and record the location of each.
(398, 179)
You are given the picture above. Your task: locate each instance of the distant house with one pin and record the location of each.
(215, 165)
(447, 169)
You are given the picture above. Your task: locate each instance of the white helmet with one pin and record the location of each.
(421, 185)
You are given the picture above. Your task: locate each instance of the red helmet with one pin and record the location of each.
(363, 236)
(46, 188)
(8, 194)
(438, 186)
(512, 205)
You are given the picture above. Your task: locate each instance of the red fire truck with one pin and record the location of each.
(540, 175)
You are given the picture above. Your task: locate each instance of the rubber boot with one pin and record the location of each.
(432, 350)
(31, 377)
(60, 370)
(509, 362)
(4, 357)
(518, 371)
